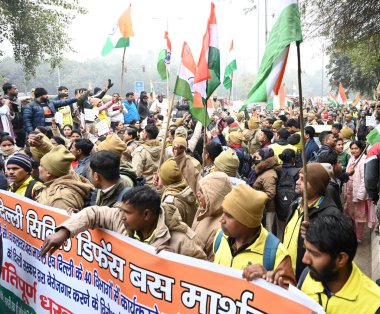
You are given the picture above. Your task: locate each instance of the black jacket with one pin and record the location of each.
(327, 207)
(372, 172)
(333, 192)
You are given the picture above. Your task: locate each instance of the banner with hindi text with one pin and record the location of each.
(100, 271)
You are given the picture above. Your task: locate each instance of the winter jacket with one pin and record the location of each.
(145, 160)
(33, 113)
(311, 148)
(114, 113)
(266, 180)
(170, 232)
(252, 140)
(343, 157)
(333, 191)
(143, 110)
(111, 196)
(326, 206)
(324, 149)
(214, 187)
(372, 172)
(359, 192)
(181, 196)
(64, 192)
(132, 113)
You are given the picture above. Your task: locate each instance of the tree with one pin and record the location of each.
(351, 27)
(37, 30)
(341, 69)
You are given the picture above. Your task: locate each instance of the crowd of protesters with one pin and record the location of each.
(236, 200)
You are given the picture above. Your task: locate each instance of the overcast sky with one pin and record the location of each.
(186, 20)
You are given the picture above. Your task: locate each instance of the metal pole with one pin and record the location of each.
(304, 197)
(122, 74)
(258, 33)
(266, 20)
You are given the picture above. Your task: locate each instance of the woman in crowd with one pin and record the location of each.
(358, 207)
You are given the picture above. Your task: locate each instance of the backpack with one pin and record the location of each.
(245, 163)
(130, 173)
(29, 189)
(270, 249)
(285, 192)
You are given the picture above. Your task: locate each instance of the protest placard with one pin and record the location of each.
(100, 271)
(370, 121)
(58, 118)
(90, 115)
(102, 127)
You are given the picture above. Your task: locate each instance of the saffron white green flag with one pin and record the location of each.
(207, 78)
(120, 33)
(164, 58)
(373, 137)
(286, 29)
(185, 81)
(231, 67)
(332, 99)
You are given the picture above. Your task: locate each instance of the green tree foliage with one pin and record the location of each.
(37, 30)
(341, 69)
(352, 28)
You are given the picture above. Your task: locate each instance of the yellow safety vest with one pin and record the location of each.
(22, 188)
(291, 234)
(359, 295)
(251, 255)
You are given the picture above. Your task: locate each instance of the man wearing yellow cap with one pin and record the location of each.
(175, 191)
(243, 243)
(63, 187)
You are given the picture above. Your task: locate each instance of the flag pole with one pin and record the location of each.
(229, 96)
(304, 197)
(167, 83)
(166, 130)
(204, 137)
(122, 74)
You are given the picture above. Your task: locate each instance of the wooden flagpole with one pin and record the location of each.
(304, 197)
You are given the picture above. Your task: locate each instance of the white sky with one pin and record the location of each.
(187, 21)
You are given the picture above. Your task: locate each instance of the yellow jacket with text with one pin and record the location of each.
(359, 295)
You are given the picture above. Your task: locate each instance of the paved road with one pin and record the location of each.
(363, 254)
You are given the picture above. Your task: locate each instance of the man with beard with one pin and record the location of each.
(318, 204)
(332, 278)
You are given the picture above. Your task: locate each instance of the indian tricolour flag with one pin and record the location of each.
(286, 29)
(207, 78)
(185, 81)
(332, 99)
(374, 136)
(342, 98)
(120, 34)
(164, 58)
(230, 68)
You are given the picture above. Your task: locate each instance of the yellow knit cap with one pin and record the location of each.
(246, 205)
(180, 141)
(277, 124)
(58, 161)
(169, 172)
(253, 123)
(114, 144)
(347, 132)
(228, 162)
(236, 137)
